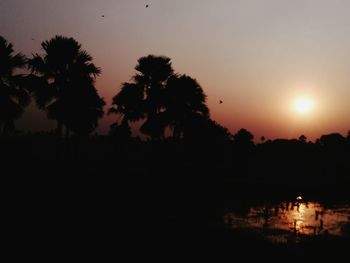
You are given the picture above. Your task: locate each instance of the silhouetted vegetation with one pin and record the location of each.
(64, 85)
(13, 96)
(163, 99)
(184, 103)
(183, 180)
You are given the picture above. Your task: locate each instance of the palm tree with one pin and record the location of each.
(152, 75)
(82, 107)
(144, 98)
(13, 96)
(65, 90)
(161, 97)
(185, 100)
(128, 104)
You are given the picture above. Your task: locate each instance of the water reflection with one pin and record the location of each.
(287, 220)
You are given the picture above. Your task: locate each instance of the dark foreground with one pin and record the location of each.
(100, 204)
(99, 217)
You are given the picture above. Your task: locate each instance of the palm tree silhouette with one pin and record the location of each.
(184, 99)
(13, 96)
(153, 72)
(82, 106)
(66, 91)
(160, 96)
(144, 98)
(129, 104)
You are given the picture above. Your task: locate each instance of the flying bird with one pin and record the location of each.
(146, 6)
(103, 16)
(220, 101)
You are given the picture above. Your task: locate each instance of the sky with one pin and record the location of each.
(257, 56)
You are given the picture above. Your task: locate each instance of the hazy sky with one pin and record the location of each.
(257, 56)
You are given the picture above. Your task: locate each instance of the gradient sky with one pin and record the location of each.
(255, 55)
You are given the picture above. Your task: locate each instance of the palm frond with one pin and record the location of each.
(37, 64)
(83, 57)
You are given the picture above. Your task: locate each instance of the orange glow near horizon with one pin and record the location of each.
(257, 57)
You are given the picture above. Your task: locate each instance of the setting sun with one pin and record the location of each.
(303, 105)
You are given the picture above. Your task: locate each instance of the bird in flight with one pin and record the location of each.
(103, 16)
(146, 6)
(220, 101)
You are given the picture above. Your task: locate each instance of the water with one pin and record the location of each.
(291, 221)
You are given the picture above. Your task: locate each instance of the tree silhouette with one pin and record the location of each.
(184, 99)
(164, 100)
(153, 73)
(144, 99)
(83, 106)
(13, 95)
(65, 85)
(332, 141)
(200, 128)
(302, 138)
(129, 104)
(243, 138)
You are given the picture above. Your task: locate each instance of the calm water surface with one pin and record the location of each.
(290, 221)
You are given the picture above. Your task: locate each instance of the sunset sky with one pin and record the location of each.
(263, 58)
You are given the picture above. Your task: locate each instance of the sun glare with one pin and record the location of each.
(303, 105)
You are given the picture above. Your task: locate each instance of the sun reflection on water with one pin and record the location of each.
(292, 219)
